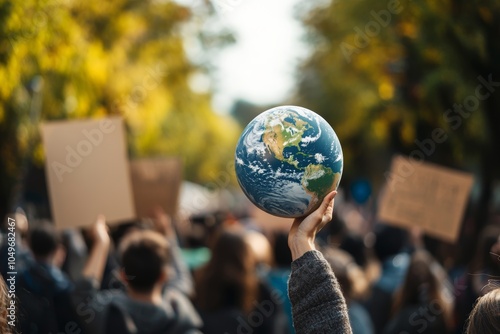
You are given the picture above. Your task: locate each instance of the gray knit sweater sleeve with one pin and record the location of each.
(318, 305)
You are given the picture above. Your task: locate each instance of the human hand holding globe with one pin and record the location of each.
(304, 229)
(288, 159)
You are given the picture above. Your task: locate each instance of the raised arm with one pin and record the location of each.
(180, 276)
(96, 262)
(318, 305)
(83, 297)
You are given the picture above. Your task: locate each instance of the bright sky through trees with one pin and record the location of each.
(260, 66)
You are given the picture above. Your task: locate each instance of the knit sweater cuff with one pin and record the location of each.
(317, 302)
(308, 259)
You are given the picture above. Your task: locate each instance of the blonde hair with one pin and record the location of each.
(4, 302)
(484, 317)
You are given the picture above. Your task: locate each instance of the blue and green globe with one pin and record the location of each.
(288, 159)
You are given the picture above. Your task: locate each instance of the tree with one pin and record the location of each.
(97, 58)
(392, 76)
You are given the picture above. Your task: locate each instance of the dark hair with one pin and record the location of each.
(144, 255)
(229, 279)
(44, 238)
(119, 232)
(281, 251)
(389, 241)
(424, 283)
(355, 246)
(484, 318)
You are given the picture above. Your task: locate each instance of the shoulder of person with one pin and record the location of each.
(181, 307)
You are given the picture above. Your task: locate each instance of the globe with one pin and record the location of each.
(287, 160)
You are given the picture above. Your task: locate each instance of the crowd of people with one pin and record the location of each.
(136, 278)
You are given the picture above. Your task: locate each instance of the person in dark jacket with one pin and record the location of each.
(156, 300)
(389, 248)
(43, 289)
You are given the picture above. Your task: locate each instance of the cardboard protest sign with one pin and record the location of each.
(156, 182)
(87, 171)
(427, 196)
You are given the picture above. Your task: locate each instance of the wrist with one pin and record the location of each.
(300, 245)
(102, 242)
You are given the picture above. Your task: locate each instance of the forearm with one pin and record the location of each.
(182, 279)
(300, 245)
(318, 305)
(96, 262)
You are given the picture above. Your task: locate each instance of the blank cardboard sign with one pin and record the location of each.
(87, 171)
(156, 182)
(427, 196)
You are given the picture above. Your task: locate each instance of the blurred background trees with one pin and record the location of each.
(64, 59)
(385, 74)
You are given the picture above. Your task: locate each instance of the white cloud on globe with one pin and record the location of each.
(319, 157)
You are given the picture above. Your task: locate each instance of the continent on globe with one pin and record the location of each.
(288, 159)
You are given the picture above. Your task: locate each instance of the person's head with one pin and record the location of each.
(488, 250)
(424, 283)
(389, 241)
(4, 303)
(355, 246)
(144, 256)
(261, 247)
(229, 279)
(351, 278)
(336, 229)
(120, 231)
(485, 317)
(231, 250)
(44, 240)
(419, 277)
(281, 251)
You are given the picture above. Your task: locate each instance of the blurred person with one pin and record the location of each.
(340, 236)
(318, 305)
(229, 293)
(76, 252)
(423, 304)
(278, 275)
(155, 300)
(14, 225)
(5, 328)
(389, 247)
(484, 318)
(484, 267)
(43, 289)
(354, 286)
(261, 248)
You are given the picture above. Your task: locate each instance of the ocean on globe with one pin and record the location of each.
(287, 160)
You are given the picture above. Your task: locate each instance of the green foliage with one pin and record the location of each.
(385, 73)
(94, 58)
